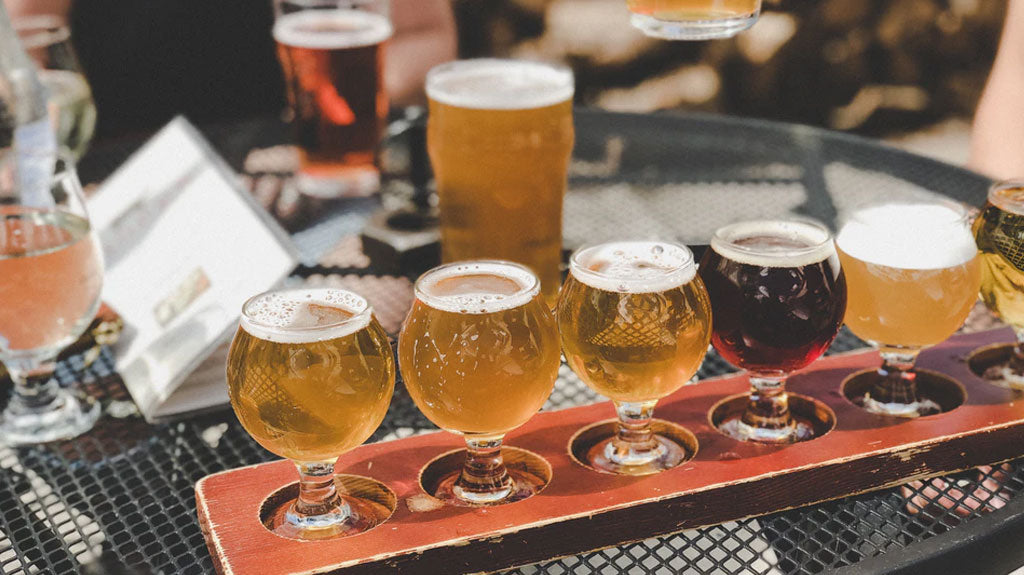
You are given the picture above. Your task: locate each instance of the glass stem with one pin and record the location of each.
(317, 492)
(484, 476)
(635, 442)
(898, 382)
(769, 403)
(35, 389)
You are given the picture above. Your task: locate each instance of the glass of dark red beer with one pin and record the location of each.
(778, 296)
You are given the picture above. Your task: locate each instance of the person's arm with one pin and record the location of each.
(424, 37)
(997, 139)
(22, 8)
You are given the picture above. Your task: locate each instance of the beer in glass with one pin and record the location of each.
(310, 375)
(500, 135)
(479, 355)
(999, 233)
(693, 19)
(912, 274)
(635, 321)
(779, 297)
(332, 53)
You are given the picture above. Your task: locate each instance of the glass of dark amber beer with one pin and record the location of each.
(693, 19)
(779, 296)
(332, 53)
(310, 375)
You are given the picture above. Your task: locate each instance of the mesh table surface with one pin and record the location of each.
(120, 499)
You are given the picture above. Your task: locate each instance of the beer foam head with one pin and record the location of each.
(305, 315)
(634, 267)
(916, 236)
(774, 243)
(491, 84)
(331, 29)
(477, 287)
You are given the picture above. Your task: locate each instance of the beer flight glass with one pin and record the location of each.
(999, 233)
(332, 54)
(479, 355)
(500, 135)
(310, 375)
(635, 321)
(912, 273)
(693, 19)
(51, 267)
(778, 295)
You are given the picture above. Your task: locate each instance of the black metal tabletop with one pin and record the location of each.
(120, 499)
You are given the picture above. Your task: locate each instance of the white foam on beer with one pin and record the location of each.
(492, 84)
(477, 302)
(817, 244)
(634, 267)
(908, 236)
(332, 29)
(288, 316)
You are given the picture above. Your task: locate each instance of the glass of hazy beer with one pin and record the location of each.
(51, 272)
(779, 297)
(500, 135)
(479, 355)
(693, 19)
(635, 321)
(912, 274)
(332, 53)
(310, 375)
(999, 233)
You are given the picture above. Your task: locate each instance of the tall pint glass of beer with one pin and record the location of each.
(693, 19)
(332, 53)
(310, 375)
(999, 233)
(479, 355)
(912, 275)
(500, 135)
(635, 321)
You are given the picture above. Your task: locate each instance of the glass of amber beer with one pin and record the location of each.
(310, 375)
(635, 321)
(479, 355)
(332, 53)
(779, 297)
(999, 233)
(500, 135)
(693, 19)
(912, 274)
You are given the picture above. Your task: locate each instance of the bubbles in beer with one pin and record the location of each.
(303, 316)
(908, 236)
(478, 288)
(331, 29)
(634, 267)
(500, 84)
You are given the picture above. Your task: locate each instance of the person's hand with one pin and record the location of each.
(989, 495)
(424, 37)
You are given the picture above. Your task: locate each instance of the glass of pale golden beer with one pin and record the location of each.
(635, 322)
(693, 19)
(479, 355)
(500, 135)
(332, 53)
(310, 375)
(51, 273)
(779, 297)
(912, 275)
(999, 233)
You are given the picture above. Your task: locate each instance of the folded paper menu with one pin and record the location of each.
(184, 246)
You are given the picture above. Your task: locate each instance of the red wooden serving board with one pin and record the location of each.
(582, 510)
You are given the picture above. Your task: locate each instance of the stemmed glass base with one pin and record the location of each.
(45, 412)
(894, 391)
(767, 418)
(635, 449)
(484, 479)
(693, 29)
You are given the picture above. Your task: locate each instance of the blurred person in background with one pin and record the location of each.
(149, 60)
(997, 138)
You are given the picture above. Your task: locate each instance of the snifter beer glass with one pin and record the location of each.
(912, 275)
(999, 233)
(479, 355)
(693, 19)
(332, 53)
(500, 135)
(779, 296)
(635, 322)
(51, 272)
(310, 374)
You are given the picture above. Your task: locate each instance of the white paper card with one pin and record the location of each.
(184, 248)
